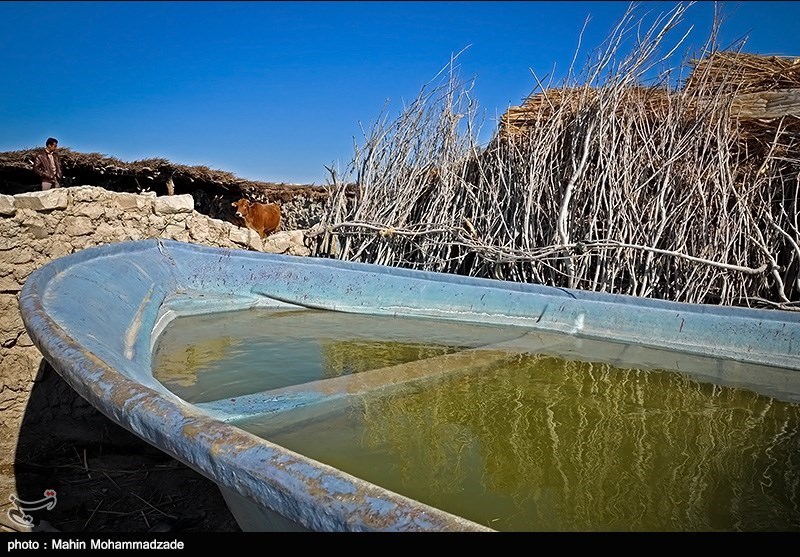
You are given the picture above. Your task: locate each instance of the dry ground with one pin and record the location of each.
(108, 480)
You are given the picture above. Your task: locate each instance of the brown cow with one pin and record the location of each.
(264, 218)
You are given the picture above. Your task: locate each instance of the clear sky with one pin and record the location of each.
(275, 91)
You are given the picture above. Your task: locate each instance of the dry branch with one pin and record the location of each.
(687, 194)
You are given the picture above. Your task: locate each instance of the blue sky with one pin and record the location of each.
(275, 91)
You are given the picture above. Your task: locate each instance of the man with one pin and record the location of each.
(47, 165)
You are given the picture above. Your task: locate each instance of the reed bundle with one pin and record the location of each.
(539, 108)
(740, 72)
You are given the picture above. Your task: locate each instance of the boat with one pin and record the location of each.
(97, 314)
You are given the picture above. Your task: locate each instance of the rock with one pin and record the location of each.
(7, 205)
(9, 284)
(130, 201)
(174, 204)
(42, 200)
(288, 242)
(78, 226)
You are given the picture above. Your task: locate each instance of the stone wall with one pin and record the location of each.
(40, 226)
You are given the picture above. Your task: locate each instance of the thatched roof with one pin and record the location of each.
(154, 174)
(145, 168)
(539, 108)
(759, 88)
(738, 72)
(213, 190)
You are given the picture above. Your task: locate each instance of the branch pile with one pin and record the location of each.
(605, 185)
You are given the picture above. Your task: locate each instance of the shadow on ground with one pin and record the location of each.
(105, 478)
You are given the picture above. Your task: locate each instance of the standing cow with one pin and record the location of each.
(264, 218)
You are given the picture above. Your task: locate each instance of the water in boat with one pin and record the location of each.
(516, 440)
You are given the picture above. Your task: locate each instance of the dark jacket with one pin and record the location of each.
(41, 165)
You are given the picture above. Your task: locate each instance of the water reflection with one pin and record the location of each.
(345, 357)
(179, 366)
(212, 357)
(545, 444)
(532, 442)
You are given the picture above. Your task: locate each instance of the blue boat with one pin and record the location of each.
(96, 316)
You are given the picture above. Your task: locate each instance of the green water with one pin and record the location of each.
(212, 357)
(534, 442)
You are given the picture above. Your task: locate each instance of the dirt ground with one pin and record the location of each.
(108, 480)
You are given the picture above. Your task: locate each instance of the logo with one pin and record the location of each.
(19, 515)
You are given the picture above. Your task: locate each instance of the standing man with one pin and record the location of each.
(47, 165)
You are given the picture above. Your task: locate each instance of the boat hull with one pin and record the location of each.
(96, 315)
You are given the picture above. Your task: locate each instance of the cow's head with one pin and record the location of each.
(241, 207)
